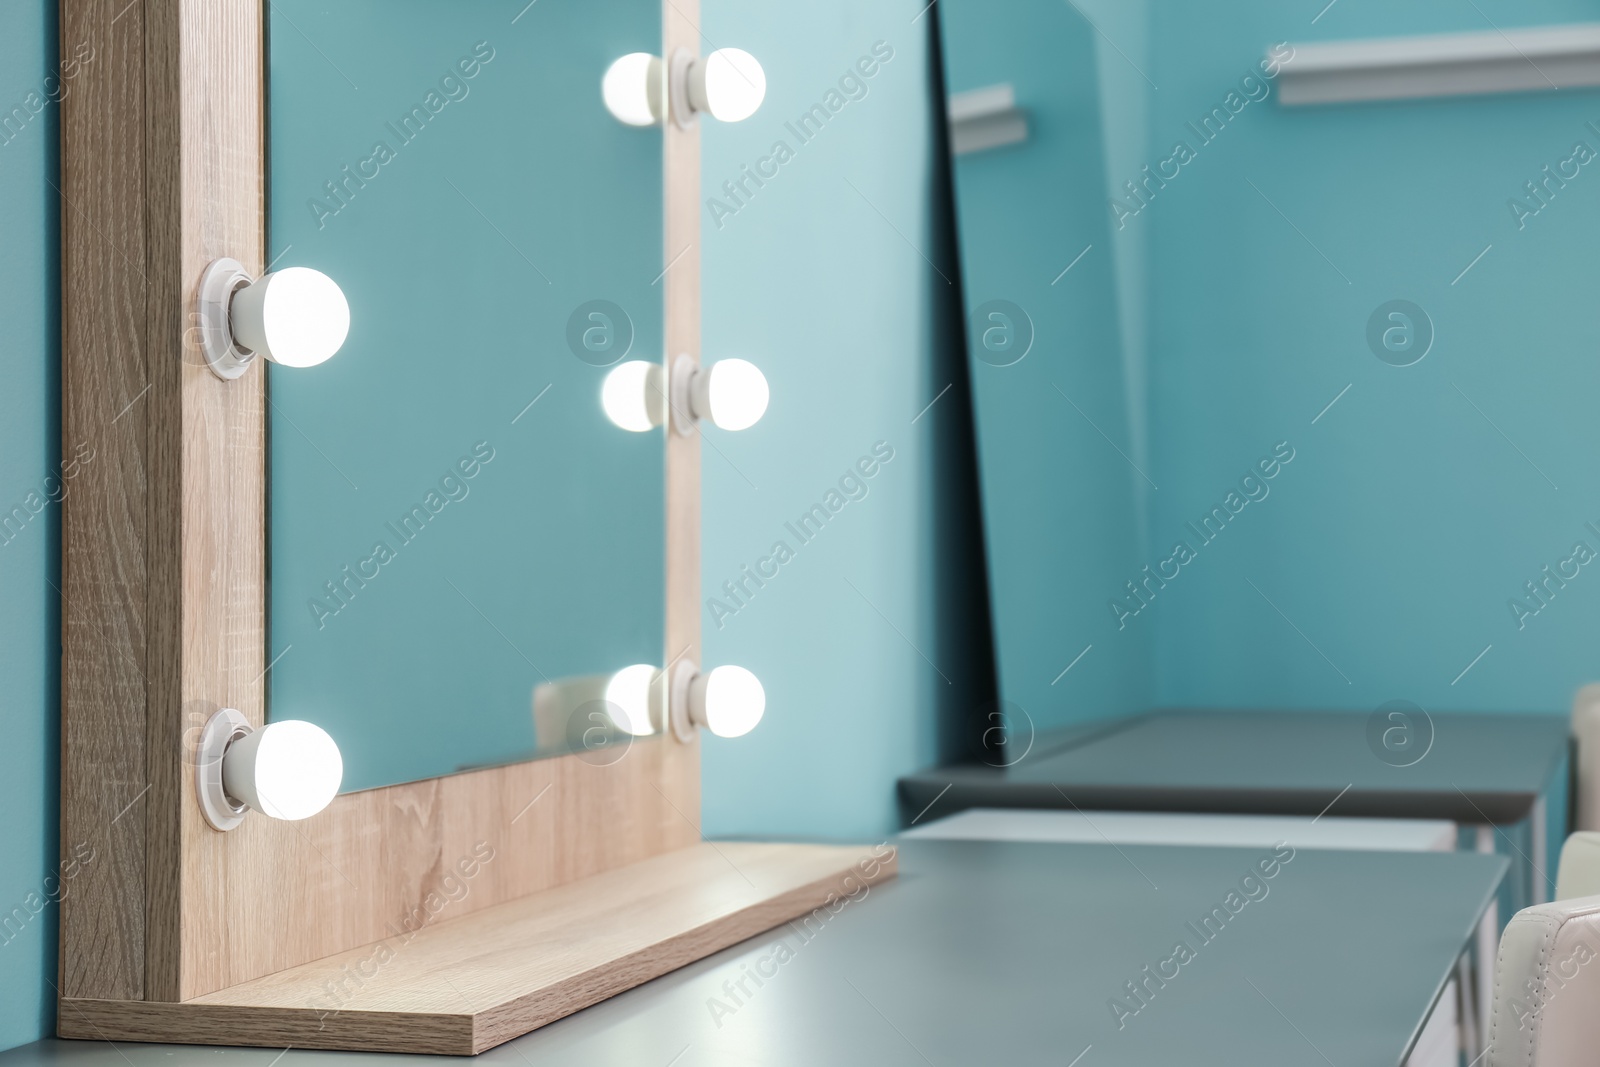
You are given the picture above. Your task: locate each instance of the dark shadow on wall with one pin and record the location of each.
(965, 649)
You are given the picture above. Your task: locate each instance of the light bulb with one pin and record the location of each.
(297, 317)
(729, 84)
(287, 770)
(632, 395)
(728, 701)
(628, 699)
(732, 393)
(633, 90)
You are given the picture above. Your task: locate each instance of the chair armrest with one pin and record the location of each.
(1547, 983)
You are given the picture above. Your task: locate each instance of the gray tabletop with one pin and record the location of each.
(1003, 953)
(1470, 768)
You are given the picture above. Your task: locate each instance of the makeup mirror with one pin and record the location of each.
(464, 550)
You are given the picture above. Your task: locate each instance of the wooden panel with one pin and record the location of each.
(468, 984)
(164, 562)
(103, 566)
(682, 249)
(207, 500)
(351, 875)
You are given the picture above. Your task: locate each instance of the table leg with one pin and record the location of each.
(1538, 887)
(1470, 1033)
(1488, 946)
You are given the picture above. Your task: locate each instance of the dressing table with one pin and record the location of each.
(1011, 953)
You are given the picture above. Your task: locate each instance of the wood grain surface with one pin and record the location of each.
(458, 986)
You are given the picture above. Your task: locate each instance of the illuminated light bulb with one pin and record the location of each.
(729, 85)
(733, 393)
(729, 701)
(632, 396)
(634, 90)
(628, 699)
(287, 770)
(297, 317)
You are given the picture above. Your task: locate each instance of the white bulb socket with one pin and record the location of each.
(296, 317)
(288, 770)
(634, 395)
(732, 393)
(634, 89)
(729, 701)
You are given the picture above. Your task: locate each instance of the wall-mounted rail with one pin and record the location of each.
(1454, 64)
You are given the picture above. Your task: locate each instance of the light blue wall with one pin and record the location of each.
(824, 277)
(1419, 505)
(29, 432)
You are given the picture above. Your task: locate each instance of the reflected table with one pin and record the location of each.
(1000, 952)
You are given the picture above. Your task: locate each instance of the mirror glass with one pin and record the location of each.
(464, 550)
(1275, 398)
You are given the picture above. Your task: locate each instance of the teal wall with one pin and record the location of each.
(29, 557)
(1420, 504)
(855, 331)
(1417, 509)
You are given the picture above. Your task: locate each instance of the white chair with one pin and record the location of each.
(1547, 978)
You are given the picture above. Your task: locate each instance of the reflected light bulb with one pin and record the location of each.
(628, 699)
(632, 395)
(729, 701)
(288, 770)
(297, 317)
(735, 394)
(729, 85)
(632, 89)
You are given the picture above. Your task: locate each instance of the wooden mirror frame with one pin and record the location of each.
(584, 880)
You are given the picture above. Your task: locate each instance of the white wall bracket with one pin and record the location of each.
(981, 119)
(1453, 64)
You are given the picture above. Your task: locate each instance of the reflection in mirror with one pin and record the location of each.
(1049, 377)
(1271, 397)
(599, 711)
(466, 554)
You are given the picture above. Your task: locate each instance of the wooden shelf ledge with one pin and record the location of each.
(464, 985)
